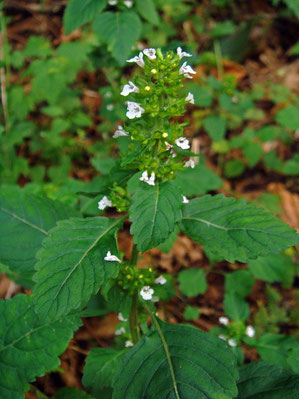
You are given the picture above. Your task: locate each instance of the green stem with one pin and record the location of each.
(218, 55)
(134, 255)
(165, 346)
(133, 319)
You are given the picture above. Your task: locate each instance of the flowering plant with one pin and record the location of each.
(77, 257)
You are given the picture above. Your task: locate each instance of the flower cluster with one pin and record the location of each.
(235, 331)
(127, 3)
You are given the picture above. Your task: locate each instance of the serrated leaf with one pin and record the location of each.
(235, 229)
(119, 30)
(79, 12)
(100, 367)
(71, 264)
(239, 282)
(192, 282)
(147, 10)
(215, 127)
(29, 346)
(71, 393)
(264, 381)
(24, 223)
(155, 211)
(203, 367)
(288, 117)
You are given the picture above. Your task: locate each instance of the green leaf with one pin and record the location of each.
(277, 268)
(71, 393)
(198, 180)
(236, 307)
(191, 313)
(233, 168)
(100, 367)
(264, 381)
(119, 30)
(215, 126)
(288, 117)
(189, 364)
(29, 346)
(155, 210)
(71, 264)
(147, 10)
(293, 359)
(24, 222)
(79, 12)
(239, 282)
(192, 282)
(253, 153)
(235, 229)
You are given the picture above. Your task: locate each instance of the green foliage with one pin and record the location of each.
(184, 373)
(29, 345)
(147, 9)
(71, 265)
(71, 393)
(234, 229)
(236, 307)
(155, 211)
(192, 282)
(215, 126)
(288, 117)
(191, 313)
(239, 282)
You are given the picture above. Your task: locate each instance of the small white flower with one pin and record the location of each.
(223, 337)
(190, 164)
(185, 200)
(186, 70)
(150, 53)
(129, 88)
(155, 299)
(120, 331)
(128, 3)
(134, 110)
(183, 143)
(138, 59)
(147, 293)
(232, 342)
(250, 331)
(111, 258)
(160, 280)
(235, 99)
(146, 179)
(112, 2)
(104, 203)
(182, 54)
(129, 344)
(190, 98)
(121, 317)
(108, 94)
(110, 107)
(120, 132)
(224, 320)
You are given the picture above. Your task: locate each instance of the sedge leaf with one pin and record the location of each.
(71, 264)
(235, 229)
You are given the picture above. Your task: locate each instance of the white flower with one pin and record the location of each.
(120, 331)
(120, 132)
(160, 280)
(223, 337)
(185, 200)
(112, 2)
(150, 53)
(128, 344)
(190, 164)
(235, 99)
(190, 98)
(104, 203)
(224, 320)
(182, 54)
(121, 317)
(147, 293)
(110, 107)
(232, 342)
(155, 299)
(128, 3)
(186, 70)
(134, 110)
(250, 331)
(129, 88)
(108, 94)
(138, 59)
(146, 179)
(111, 258)
(183, 143)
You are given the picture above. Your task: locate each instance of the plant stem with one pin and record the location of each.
(134, 255)
(165, 346)
(133, 319)
(218, 56)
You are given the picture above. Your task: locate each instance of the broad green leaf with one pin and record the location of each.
(215, 126)
(71, 393)
(119, 30)
(147, 10)
(293, 5)
(264, 381)
(192, 282)
(293, 359)
(253, 153)
(100, 367)
(233, 168)
(288, 117)
(191, 313)
(71, 264)
(29, 346)
(198, 180)
(239, 282)
(155, 210)
(235, 229)
(24, 222)
(277, 268)
(167, 245)
(79, 12)
(236, 307)
(199, 366)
